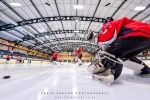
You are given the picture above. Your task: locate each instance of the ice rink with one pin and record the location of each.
(68, 82)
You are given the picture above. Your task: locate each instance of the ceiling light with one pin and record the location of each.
(15, 4)
(47, 37)
(41, 30)
(78, 6)
(140, 8)
(76, 31)
(77, 20)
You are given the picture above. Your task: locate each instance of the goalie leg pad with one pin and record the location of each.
(107, 61)
(106, 77)
(134, 66)
(145, 70)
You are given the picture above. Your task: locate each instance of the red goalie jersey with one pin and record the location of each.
(122, 28)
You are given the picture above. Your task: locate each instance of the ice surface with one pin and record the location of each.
(31, 82)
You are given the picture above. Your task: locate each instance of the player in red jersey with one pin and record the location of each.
(78, 52)
(55, 57)
(8, 58)
(126, 39)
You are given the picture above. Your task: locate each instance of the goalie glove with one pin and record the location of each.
(92, 36)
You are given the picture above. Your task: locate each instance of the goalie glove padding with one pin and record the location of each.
(91, 36)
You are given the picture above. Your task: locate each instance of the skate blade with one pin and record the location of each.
(102, 79)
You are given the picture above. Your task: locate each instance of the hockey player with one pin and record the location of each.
(78, 52)
(55, 57)
(18, 60)
(8, 58)
(126, 39)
